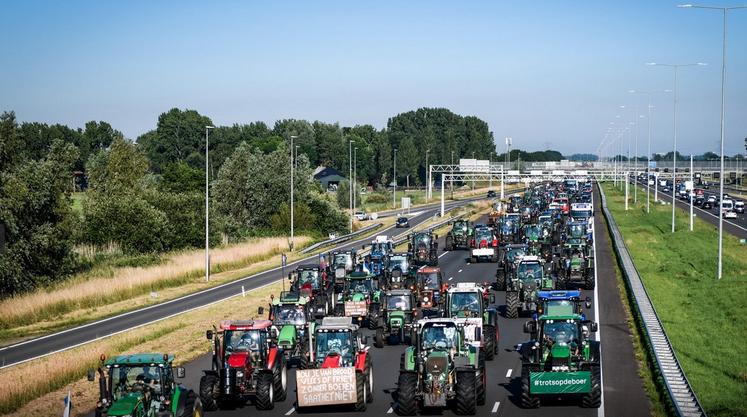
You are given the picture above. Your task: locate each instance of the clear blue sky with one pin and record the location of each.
(541, 72)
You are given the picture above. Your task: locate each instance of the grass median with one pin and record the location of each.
(701, 315)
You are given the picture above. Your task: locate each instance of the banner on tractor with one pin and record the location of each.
(327, 386)
(355, 308)
(560, 382)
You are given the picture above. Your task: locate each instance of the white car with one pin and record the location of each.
(730, 214)
(361, 215)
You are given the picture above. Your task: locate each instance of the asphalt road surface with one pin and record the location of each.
(623, 393)
(45, 345)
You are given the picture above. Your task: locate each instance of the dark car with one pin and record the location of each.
(699, 201)
(491, 194)
(403, 222)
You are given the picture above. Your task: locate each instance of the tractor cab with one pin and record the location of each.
(423, 248)
(310, 282)
(291, 320)
(398, 270)
(429, 283)
(341, 264)
(336, 343)
(530, 271)
(561, 303)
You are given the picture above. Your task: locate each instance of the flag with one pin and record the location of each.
(68, 405)
(284, 260)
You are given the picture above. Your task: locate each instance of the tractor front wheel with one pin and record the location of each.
(491, 343)
(512, 304)
(466, 390)
(594, 398)
(208, 385)
(589, 280)
(407, 387)
(360, 391)
(280, 380)
(265, 399)
(449, 244)
(527, 399)
(500, 280)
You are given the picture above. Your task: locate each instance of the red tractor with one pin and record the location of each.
(246, 364)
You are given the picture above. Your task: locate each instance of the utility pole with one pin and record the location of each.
(691, 192)
(350, 181)
(394, 194)
(290, 244)
(355, 176)
(207, 204)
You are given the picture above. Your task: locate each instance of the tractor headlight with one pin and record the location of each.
(425, 299)
(239, 374)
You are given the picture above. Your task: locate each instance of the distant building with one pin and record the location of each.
(328, 177)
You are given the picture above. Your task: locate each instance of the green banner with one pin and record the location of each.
(560, 382)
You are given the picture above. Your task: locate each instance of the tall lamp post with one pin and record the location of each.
(290, 243)
(427, 175)
(207, 204)
(676, 67)
(350, 181)
(724, 10)
(355, 175)
(394, 178)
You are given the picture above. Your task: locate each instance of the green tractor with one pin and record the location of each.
(142, 385)
(459, 235)
(423, 248)
(398, 313)
(470, 301)
(292, 322)
(360, 299)
(441, 367)
(528, 277)
(561, 359)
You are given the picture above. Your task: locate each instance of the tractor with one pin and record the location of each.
(484, 245)
(539, 240)
(142, 385)
(471, 301)
(561, 359)
(360, 299)
(381, 248)
(292, 322)
(399, 309)
(398, 271)
(561, 303)
(246, 363)
(459, 235)
(575, 266)
(342, 262)
(441, 367)
(337, 343)
(311, 281)
(429, 284)
(423, 248)
(528, 277)
(509, 254)
(508, 229)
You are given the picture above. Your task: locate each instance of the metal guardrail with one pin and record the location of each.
(341, 238)
(680, 392)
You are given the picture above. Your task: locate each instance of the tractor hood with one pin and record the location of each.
(237, 359)
(358, 297)
(287, 336)
(125, 406)
(560, 351)
(396, 317)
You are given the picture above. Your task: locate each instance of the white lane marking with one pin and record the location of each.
(289, 412)
(598, 335)
(459, 271)
(508, 374)
(439, 256)
(450, 278)
(495, 407)
(390, 410)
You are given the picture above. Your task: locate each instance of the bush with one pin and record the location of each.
(378, 197)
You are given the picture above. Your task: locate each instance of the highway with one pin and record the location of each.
(77, 336)
(623, 393)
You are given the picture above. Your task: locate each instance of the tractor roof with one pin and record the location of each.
(245, 324)
(337, 323)
(307, 266)
(291, 297)
(359, 275)
(140, 359)
(399, 292)
(530, 258)
(429, 269)
(442, 321)
(575, 317)
(559, 294)
(466, 287)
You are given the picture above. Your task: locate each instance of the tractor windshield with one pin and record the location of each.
(134, 378)
(515, 253)
(533, 232)
(289, 314)
(559, 307)
(309, 277)
(577, 230)
(560, 332)
(338, 342)
(398, 302)
(422, 239)
(440, 336)
(344, 259)
(381, 247)
(580, 214)
(529, 271)
(483, 234)
(429, 280)
(465, 301)
(460, 228)
(243, 340)
(364, 286)
(398, 262)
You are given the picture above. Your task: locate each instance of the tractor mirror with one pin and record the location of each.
(492, 298)
(478, 334)
(366, 340)
(91, 375)
(363, 247)
(530, 327)
(261, 311)
(587, 302)
(290, 276)
(181, 372)
(594, 327)
(209, 335)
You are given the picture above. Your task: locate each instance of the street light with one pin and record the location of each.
(290, 244)
(724, 10)
(394, 194)
(207, 205)
(676, 67)
(427, 175)
(355, 174)
(350, 181)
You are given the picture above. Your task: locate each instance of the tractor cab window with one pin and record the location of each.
(243, 340)
(422, 239)
(290, 314)
(343, 259)
(365, 286)
(483, 234)
(515, 253)
(429, 280)
(398, 262)
(441, 336)
(398, 302)
(577, 230)
(530, 271)
(532, 232)
(340, 343)
(559, 307)
(560, 332)
(309, 277)
(465, 301)
(135, 378)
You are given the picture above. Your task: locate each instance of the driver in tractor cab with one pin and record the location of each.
(335, 345)
(436, 337)
(466, 303)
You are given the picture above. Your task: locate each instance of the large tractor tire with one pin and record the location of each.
(562, 282)
(473, 259)
(379, 338)
(192, 406)
(360, 391)
(449, 244)
(369, 380)
(265, 398)
(466, 393)
(512, 304)
(594, 398)
(208, 383)
(407, 386)
(373, 315)
(280, 380)
(500, 280)
(527, 399)
(491, 344)
(589, 279)
(482, 379)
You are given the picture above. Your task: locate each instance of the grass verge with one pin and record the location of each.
(700, 314)
(36, 388)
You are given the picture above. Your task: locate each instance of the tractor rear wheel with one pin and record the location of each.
(280, 380)
(482, 379)
(265, 398)
(369, 380)
(192, 406)
(360, 391)
(562, 282)
(379, 338)
(449, 244)
(594, 398)
(208, 384)
(407, 386)
(500, 280)
(512, 304)
(491, 344)
(527, 399)
(589, 279)
(466, 390)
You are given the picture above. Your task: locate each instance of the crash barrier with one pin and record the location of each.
(680, 392)
(341, 238)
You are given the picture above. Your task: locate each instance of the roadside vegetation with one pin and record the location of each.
(701, 314)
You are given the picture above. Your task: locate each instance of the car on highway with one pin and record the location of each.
(491, 194)
(402, 222)
(739, 206)
(361, 215)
